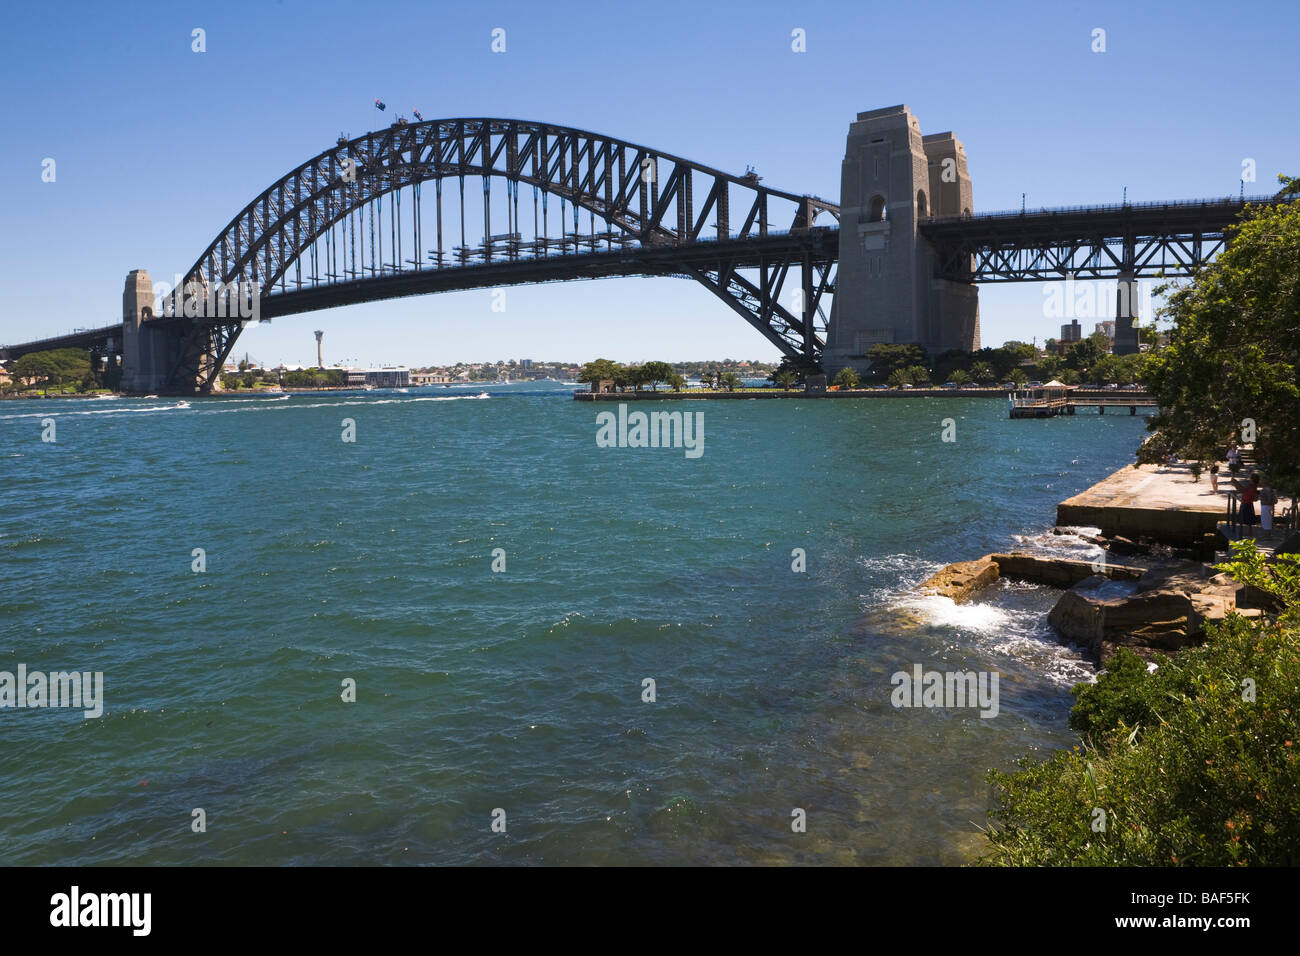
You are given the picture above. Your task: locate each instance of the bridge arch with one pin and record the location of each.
(645, 199)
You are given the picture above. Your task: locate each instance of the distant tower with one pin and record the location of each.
(320, 362)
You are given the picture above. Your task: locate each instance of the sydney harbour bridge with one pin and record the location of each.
(454, 204)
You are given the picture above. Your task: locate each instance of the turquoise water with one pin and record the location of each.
(519, 690)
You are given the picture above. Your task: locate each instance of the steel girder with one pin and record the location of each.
(1152, 239)
(645, 196)
(96, 340)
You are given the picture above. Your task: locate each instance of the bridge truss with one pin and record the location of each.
(386, 215)
(1134, 240)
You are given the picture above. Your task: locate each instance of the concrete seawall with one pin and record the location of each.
(702, 394)
(1161, 502)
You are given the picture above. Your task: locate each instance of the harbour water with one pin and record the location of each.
(520, 690)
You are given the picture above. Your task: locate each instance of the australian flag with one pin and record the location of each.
(380, 105)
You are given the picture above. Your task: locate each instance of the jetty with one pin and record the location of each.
(1057, 398)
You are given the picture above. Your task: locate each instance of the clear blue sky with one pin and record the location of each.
(157, 147)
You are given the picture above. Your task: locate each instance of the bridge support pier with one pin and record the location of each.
(147, 353)
(1126, 337)
(892, 179)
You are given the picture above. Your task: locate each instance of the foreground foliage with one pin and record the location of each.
(1193, 764)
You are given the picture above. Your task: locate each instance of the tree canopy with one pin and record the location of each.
(1234, 350)
(598, 370)
(53, 368)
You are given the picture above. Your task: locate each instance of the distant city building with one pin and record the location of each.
(1108, 327)
(398, 377)
(1072, 332)
(525, 363)
(356, 376)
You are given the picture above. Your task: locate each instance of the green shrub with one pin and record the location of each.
(846, 378)
(1192, 764)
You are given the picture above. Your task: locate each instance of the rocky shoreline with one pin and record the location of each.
(1151, 611)
(1150, 593)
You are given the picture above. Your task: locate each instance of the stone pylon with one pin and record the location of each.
(893, 178)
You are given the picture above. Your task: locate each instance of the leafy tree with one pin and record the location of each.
(1234, 350)
(628, 376)
(983, 373)
(918, 375)
(730, 381)
(1019, 376)
(783, 378)
(1120, 369)
(656, 372)
(1082, 356)
(846, 378)
(676, 381)
(887, 357)
(797, 369)
(959, 378)
(1049, 366)
(1023, 351)
(599, 370)
(53, 368)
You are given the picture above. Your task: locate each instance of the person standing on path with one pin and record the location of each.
(1214, 477)
(1267, 499)
(1249, 492)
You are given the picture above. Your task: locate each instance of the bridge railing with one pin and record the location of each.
(1115, 207)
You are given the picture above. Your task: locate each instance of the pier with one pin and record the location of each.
(1055, 398)
(1165, 503)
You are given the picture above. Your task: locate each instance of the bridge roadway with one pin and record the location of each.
(1089, 242)
(1139, 239)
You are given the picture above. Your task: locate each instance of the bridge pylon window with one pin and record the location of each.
(878, 211)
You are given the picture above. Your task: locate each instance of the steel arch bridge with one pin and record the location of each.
(317, 237)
